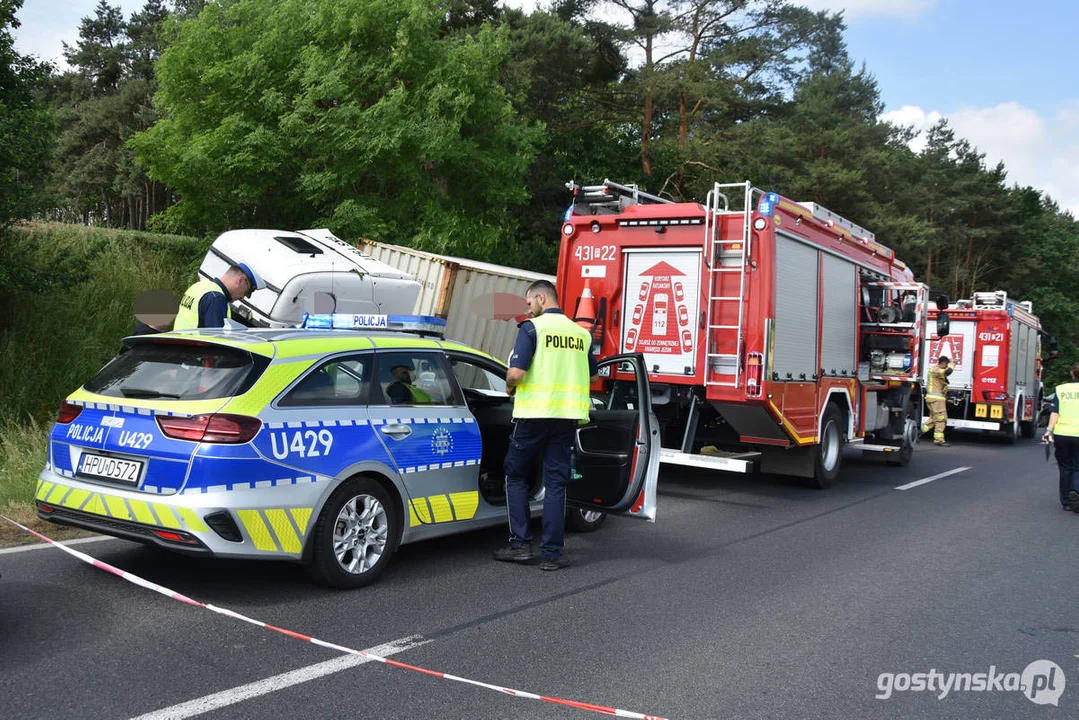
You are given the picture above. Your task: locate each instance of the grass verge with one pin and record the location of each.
(22, 457)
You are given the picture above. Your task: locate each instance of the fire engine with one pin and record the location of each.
(775, 332)
(994, 344)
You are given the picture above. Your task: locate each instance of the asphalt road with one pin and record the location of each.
(748, 598)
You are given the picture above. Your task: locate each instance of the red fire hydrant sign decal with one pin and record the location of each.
(661, 298)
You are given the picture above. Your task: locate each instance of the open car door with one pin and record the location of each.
(618, 450)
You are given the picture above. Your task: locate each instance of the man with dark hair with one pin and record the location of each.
(550, 372)
(936, 396)
(402, 391)
(1063, 431)
(206, 303)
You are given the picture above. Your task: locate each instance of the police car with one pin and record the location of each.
(322, 445)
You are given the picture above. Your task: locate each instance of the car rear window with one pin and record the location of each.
(173, 371)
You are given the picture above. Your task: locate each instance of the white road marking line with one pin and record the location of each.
(46, 546)
(931, 478)
(241, 693)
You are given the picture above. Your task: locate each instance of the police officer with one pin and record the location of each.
(1063, 431)
(206, 303)
(550, 371)
(402, 391)
(935, 399)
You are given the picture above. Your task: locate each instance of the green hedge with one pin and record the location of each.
(72, 303)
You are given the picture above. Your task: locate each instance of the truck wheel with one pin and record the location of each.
(355, 535)
(828, 453)
(582, 521)
(911, 432)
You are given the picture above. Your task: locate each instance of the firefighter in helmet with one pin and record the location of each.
(935, 398)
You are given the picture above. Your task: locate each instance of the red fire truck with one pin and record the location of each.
(994, 343)
(775, 332)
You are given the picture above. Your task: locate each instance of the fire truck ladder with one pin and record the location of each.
(721, 364)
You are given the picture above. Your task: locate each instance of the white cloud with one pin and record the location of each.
(1036, 151)
(858, 9)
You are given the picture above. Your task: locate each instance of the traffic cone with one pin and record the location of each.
(586, 309)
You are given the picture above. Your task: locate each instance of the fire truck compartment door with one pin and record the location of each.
(661, 308)
(617, 453)
(958, 345)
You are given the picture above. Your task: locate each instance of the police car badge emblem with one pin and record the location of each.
(441, 442)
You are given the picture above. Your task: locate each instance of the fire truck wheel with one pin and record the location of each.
(912, 431)
(828, 453)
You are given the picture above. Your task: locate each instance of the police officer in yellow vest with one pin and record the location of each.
(1063, 431)
(550, 371)
(936, 395)
(402, 391)
(206, 303)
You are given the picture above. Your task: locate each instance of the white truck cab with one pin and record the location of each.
(308, 271)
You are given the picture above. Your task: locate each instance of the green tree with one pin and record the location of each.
(99, 52)
(361, 114)
(705, 65)
(25, 123)
(25, 142)
(105, 99)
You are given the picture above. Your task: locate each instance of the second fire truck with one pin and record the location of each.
(775, 332)
(994, 344)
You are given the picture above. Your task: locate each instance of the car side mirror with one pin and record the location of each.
(944, 324)
(942, 302)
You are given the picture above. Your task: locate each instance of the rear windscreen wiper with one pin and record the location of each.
(129, 391)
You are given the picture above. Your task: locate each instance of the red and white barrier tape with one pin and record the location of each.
(141, 582)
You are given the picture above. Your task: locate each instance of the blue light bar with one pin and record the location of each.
(421, 324)
(768, 204)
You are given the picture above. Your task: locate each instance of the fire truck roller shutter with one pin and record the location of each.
(839, 336)
(795, 353)
(1015, 363)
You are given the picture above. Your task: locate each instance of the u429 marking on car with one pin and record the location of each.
(305, 443)
(136, 440)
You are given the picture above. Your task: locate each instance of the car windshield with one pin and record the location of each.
(172, 371)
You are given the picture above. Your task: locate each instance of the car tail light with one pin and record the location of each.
(994, 395)
(226, 429)
(68, 412)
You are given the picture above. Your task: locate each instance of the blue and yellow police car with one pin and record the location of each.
(329, 444)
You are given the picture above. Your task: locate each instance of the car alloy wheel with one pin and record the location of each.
(359, 535)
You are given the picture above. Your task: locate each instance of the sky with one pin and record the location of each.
(1000, 72)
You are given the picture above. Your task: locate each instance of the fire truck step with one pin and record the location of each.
(726, 461)
(725, 297)
(722, 327)
(863, 445)
(727, 269)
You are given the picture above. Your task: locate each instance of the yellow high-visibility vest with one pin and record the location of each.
(1067, 410)
(187, 317)
(556, 385)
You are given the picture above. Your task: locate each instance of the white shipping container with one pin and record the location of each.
(480, 301)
